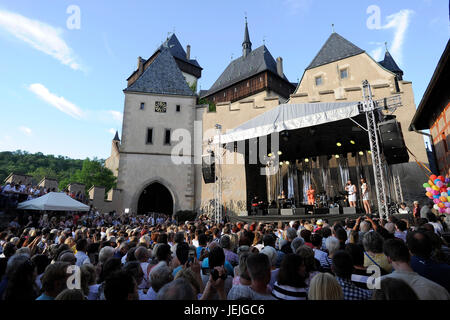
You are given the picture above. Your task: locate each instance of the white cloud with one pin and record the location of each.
(112, 131)
(41, 36)
(295, 6)
(58, 102)
(118, 116)
(377, 53)
(26, 130)
(399, 22)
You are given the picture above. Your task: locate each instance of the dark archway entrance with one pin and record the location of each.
(155, 198)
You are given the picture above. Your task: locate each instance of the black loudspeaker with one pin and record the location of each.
(392, 142)
(208, 168)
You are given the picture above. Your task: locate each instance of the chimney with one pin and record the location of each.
(280, 66)
(188, 52)
(140, 65)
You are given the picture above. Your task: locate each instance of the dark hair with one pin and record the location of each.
(182, 252)
(41, 262)
(110, 266)
(326, 232)
(134, 268)
(119, 285)
(397, 250)
(202, 239)
(342, 264)
(316, 240)
(258, 266)
(431, 217)
(419, 243)
(306, 235)
(162, 238)
(216, 257)
(288, 274)
(163, 252)
(341, 234)
(269, 240)
(356, 252)
(81, 245)
(394, 289)
(20, 286)
(401, 225)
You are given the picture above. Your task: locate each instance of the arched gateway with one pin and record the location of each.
(155, 198)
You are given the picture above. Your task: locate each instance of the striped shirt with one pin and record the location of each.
(284, 292)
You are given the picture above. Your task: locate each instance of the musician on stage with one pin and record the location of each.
(365, 196)
(351, 190)
(311, 193)
(255, 204)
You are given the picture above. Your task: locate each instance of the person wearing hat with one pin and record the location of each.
(319, 225)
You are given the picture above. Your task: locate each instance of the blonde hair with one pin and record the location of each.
(324, 287)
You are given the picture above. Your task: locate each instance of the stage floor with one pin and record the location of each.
(330, 217)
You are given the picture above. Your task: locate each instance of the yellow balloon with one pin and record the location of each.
(441, 205)
(435, 188)
(431, 183)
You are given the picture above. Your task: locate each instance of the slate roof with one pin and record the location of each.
(163, 77)
(176, 49)
(116, 137)
(389, 63)
(256, 61)
(335, 48)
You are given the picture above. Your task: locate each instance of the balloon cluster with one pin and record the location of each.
(438, 190)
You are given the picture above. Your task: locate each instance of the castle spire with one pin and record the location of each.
(246, 45)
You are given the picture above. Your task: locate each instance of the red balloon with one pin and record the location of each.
(441, 178)
(433, 177)
(443, 189)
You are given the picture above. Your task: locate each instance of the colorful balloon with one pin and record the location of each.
(444, 194)
(447, 204)
(441, 205)
(433, 177)
(436, 201)
(435, 188)
(428, 189)
(440, 184)
(426, 185)
(435, 192)
(443, 199)
(441, 178)
(447, 210)
(436, 207)
(442, 210)
(429, 194)
(430, 183)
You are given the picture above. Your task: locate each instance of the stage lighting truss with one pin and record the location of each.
(369, 106)
(218, 184)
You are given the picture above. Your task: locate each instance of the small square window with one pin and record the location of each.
(178, 108)
(149, 135)
(142, 105)
(344, 74)
(167, 137)
(318, 81)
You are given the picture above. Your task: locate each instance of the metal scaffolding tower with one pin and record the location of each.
(218, 183)
(369, 107)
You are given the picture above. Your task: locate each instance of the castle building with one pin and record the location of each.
(158, 101)
(160, 98)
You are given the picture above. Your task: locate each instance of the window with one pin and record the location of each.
(149, 136)
(167, 137)
(248, 84)
(444, 141)
(178, 108)
(142, 105)
(318, 81)
(344, 74)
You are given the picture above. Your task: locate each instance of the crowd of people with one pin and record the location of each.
(129, 257)
(11, 194)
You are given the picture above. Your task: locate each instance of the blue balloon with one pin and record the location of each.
(436, 196)
(436, 181)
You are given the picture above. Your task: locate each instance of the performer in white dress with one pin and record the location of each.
(351, 189)
(365, 196)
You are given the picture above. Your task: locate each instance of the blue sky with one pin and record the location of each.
(61, 87)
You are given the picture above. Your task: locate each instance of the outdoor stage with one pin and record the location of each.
(330, 217)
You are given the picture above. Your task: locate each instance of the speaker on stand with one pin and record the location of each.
(209, 168)
(392, 142)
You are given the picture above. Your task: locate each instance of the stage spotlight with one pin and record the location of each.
(306, 160)
(369, 152)
(286, 162)
(337, 156)
(280, 153)
(352, 142)
(270, 155)
(339, 144)
(361, 153)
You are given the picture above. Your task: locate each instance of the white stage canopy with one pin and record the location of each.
(290, 117)
(53, 201)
